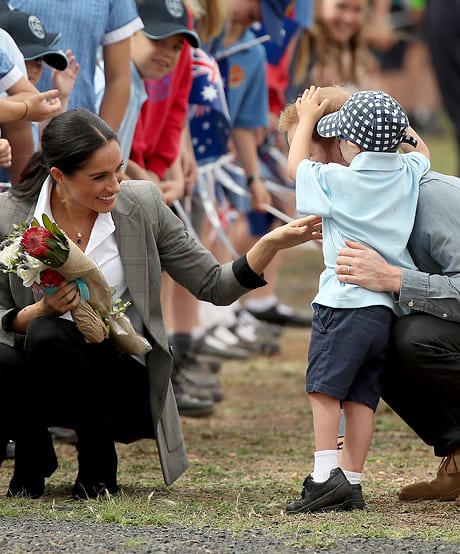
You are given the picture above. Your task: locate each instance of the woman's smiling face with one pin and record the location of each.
(96, 184)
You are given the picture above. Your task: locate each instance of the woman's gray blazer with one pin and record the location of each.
(150, 239)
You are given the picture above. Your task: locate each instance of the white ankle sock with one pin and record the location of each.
(261, 304)
(354, 478)
(325, 460)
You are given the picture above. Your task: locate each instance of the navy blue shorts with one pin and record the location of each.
(348, 348)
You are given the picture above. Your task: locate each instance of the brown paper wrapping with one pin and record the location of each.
(87, 315)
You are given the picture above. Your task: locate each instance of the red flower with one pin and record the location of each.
(34, 241)
(50, 278)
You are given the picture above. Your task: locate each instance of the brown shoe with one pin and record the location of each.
(446, 486)
(457, 501)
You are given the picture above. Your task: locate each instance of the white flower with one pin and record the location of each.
(29, 271)
(8, 255)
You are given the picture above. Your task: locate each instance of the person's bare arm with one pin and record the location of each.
(24, 101)
(19, 135)
(117, 82)
(421, 145)
(135, 171)
(188, 161)
(64, 299)
(245, 143)
(173, 185)
(292, 234)
(309, 110)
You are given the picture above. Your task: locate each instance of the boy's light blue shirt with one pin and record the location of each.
(373, 201)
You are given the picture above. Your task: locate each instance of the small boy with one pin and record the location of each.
(372, 201)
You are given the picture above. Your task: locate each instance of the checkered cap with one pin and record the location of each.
(372, 119)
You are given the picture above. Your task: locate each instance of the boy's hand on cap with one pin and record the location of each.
(309, 104)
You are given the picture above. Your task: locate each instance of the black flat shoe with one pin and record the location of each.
(26, 488)
(84, 490)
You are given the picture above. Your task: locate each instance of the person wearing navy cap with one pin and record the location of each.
(32, 38)
(38, 47)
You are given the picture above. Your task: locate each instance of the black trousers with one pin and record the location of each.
(422, 379)
(60, 380)
(443, 37)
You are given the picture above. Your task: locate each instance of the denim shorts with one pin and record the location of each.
(348, 349)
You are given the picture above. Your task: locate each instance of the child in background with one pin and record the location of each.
(372, 201)
(242, 63)
(36, 45)
(167, 77)
(156, 52)
(161, 72)
(333, 50)
(21, 104)
(87, 26)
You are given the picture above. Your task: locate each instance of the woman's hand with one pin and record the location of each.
(64, 299)
(360, 265)
(292, 234)
(296, 232)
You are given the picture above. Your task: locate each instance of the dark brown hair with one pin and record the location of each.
(68, 141)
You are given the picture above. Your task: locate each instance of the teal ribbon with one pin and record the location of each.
(81, 285)
(83, 290)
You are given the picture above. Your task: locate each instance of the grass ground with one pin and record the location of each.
(250, 457)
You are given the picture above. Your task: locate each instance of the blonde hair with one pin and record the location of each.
(315, 50)
(210, 17)
(336, 95)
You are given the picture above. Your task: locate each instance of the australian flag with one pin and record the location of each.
(209, 119)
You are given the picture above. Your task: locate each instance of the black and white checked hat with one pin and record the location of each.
(372, 119)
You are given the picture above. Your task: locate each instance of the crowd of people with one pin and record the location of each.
(154, 140)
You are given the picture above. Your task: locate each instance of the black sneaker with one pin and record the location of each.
(316, 496)
(354, 501)
(187, 404)
(284, 316)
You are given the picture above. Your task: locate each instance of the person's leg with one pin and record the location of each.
(346, 353)
(326, 416)
(443, 35)
(35, 458)
(421, 381)
(422, 385)
(72, 381)
(360, 427)
(10, 364)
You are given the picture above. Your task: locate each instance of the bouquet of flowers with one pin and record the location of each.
(43, 257)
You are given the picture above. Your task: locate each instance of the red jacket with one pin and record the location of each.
(157, 136)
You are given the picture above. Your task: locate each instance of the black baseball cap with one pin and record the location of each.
(166, 18)
(33, 41)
